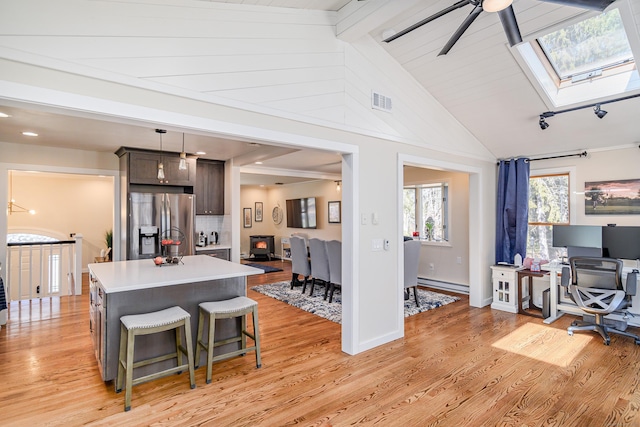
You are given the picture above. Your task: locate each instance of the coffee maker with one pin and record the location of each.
(202, 239)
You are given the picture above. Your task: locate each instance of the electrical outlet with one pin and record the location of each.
(459, 260)
(432, 266)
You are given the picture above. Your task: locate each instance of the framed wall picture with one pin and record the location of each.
(247, 217)
(258, 211)
(615, 197)
(334, 212)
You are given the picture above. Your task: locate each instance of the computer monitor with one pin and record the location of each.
(583, 236)
(621, 242)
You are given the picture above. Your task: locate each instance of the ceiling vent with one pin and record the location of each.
(380, 102)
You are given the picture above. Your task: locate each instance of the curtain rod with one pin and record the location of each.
(583, 154)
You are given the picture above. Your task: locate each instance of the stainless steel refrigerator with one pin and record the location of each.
(154, 217)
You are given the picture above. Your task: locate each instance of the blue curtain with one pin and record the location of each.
(513, 209)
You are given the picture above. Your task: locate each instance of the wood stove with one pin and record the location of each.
(261, 246)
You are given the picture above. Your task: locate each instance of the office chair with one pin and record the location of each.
(595, 285)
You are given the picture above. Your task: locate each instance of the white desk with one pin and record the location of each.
(560, 302)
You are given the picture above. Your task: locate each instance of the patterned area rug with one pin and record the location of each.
(317, 305)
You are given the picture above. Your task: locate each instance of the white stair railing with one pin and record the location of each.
(44, 269)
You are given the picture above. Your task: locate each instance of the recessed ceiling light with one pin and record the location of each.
(29, 134)
(258, 163)
(254, 144)
(4, 115)
(200, 153)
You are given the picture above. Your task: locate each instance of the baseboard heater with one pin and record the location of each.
(445, 286)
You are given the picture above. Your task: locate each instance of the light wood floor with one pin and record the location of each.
(456, 366)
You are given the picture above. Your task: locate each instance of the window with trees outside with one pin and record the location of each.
(548, 206)
(593, 45)
(425, 209)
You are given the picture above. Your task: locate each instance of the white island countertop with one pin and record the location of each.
(132, 275)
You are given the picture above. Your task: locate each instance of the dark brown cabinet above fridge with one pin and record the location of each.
(209, 187)
(142, 168)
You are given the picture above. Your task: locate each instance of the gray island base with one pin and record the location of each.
(135, 287)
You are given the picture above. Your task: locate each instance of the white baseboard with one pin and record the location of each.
(445, 286)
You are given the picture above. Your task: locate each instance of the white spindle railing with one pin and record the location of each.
(44, 269)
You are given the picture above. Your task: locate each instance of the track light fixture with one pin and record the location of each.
(543, 124)
(596, 109)
(598, 112)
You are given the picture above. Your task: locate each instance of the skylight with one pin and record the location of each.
(584, 60)
(588, 47)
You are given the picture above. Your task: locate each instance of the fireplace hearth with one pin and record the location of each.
(261, 246)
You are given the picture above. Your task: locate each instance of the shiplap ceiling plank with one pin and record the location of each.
(90, 47)
(270, 94)
(240, 79)
(158, 67)
(330, 5)
(206, 46)
(309, 103)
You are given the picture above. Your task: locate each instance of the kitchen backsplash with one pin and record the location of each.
(219, 223)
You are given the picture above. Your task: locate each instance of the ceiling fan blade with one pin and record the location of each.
(598, 5)
(461, 29)
(510, 25)
(433, 17)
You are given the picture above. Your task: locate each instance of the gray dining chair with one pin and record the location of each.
(299, 262)
(411, 262)
(334, 252)
(319, 265)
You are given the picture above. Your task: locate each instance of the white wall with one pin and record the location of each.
(68, 75)
(65, 161)
(65, 204)
(324, 191)
(601, 165)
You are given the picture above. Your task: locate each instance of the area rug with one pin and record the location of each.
(266, 268)
(317, 305)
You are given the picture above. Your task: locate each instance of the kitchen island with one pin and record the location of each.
(133, 287)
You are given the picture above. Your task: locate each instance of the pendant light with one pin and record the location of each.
(160, 165)
(183, 157)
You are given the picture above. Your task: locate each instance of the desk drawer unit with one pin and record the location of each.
(505, 288)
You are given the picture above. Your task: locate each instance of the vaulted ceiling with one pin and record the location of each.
(479, 82)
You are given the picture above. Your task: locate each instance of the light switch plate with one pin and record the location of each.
(376, 245)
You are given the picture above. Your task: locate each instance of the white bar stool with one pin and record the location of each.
(151, 323)
(235, 307)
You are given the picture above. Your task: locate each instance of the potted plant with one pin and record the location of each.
(108, 239)
(429, 225)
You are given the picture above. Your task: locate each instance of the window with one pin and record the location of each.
(590, 46)
(548, 206)
(584, 60)
(426, 211)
